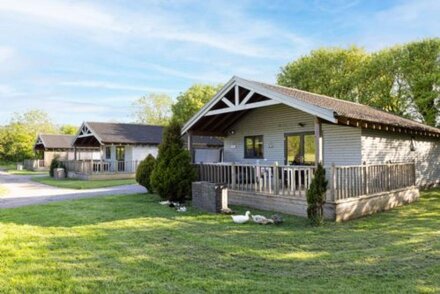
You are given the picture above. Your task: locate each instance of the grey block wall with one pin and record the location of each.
(209, 197)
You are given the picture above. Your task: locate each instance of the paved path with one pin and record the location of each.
(23, 191)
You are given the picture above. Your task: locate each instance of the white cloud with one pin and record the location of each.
(401, 23)
(64, 12)
(113, 86)
(6, 53)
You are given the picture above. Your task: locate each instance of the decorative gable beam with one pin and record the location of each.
(236, 95)
(243, 107)
(227, 102)
(248, 96)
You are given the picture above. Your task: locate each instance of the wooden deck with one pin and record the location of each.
(293, 181)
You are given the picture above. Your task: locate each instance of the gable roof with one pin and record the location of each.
(136, 134)
(54, 141)
(126, 133)
(327, 108)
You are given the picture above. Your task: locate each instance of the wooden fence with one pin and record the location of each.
(358, 180)
(33, 164)
(268, 179)
(88, 167)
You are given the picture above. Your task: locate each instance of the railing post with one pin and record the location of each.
(233, 175)
(388, 177)
(333, 182)
(276, 188)
(366, 179)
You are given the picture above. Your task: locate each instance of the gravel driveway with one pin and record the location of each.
(23, 191)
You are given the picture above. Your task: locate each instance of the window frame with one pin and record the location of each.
(117, 152)
(253, 137)
(302, 136)
(108, 152)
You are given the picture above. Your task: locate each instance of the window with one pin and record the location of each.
(108, 152)
(253, 147)
(120, 153)
(300, 149)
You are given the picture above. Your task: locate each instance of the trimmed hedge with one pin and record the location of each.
(144, 171)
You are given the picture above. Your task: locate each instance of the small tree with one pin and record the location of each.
(144, 171)
(55, 163)
(173, 174)
(316, 197)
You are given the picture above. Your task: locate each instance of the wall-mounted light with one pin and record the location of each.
(231, 132)
(302, 125)
(412, 145)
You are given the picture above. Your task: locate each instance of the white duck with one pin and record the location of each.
(241, 219)
(260, 219)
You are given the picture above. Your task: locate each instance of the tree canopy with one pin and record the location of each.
(18, 137)
(404, 80)
(153, 109)
(68, 129)
(190, 101)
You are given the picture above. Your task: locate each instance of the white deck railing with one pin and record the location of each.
(269, 179)
(89, 167)
(344, 181)
(358, 180)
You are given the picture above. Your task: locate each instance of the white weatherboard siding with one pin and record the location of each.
(381, 147)
(140, 152)
(341, 145)
(272, 122)
(133, 152)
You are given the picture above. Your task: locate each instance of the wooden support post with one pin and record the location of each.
(233, 175)
(276, 181)
(333, 182)
(318, 141)
(190, 147)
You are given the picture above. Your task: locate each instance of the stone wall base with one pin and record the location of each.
(115, 176)
(341, 210)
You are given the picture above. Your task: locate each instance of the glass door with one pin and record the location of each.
(300, 149)
(120, 157)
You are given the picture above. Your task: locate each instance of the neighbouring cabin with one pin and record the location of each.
(47, 147)
(122, 146)
(274, 136)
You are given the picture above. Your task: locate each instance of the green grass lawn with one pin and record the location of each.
(133, 244)
(7, 165)
(11, 168)
(27, 172)
(81, 184)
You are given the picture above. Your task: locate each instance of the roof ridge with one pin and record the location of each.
(118, 123)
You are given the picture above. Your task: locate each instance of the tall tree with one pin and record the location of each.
(173, 173)
(328, 71)
(153, 109)
(404, 79)
(18, 137)
(421, 71)
(190, 101)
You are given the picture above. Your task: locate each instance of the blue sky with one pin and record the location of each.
(89, 60)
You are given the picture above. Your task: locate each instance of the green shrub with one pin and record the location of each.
(316, 197)
(144, 170)
(174, 173)
(56, 163)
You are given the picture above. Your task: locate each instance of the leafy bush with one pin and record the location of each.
(173, 174)
(316, 197)
(144, 171)
(56, 163)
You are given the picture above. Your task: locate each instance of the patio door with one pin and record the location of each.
(120, 158)
(300, 149)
